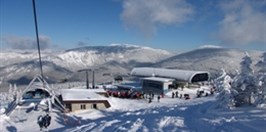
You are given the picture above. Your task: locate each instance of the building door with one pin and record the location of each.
(94, 106)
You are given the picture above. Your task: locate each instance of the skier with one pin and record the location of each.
(40, 122)
(158, 98)
(186, 96)
(176, 94)
(173, 94)
(47, 120)
(150, 99)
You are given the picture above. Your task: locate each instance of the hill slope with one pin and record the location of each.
(209, 59)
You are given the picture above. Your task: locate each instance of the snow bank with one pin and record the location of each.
(170, 114)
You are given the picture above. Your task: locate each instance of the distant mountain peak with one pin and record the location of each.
(138, 47)
(210, 47)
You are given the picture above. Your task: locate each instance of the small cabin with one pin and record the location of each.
(84, 99)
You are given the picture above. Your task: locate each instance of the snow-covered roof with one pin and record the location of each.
(81, 94)
(159, 79)
(180, 75)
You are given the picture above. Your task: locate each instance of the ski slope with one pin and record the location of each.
(170, 114)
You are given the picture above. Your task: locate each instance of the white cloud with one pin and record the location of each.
(146, 15)
(17, 42)
(244, 22)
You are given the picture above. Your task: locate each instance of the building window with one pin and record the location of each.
(83, 106)
(68, 107)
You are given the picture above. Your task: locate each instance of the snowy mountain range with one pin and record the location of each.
(20, 67)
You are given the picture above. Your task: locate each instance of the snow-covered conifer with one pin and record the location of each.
(261, 76)
(226, 95)
(245, 83)
(219, 81)
(10, 92)
(15, 89)
(261, 65)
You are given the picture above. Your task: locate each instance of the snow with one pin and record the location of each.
(81, 94)
(210, 46)
(2, 110)
(20, 66)
(210, 59)
(159, 79)
(170, 114)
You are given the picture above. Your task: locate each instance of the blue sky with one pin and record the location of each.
(175, 25)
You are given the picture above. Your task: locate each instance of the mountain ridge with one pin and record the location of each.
(119, 60)
(210, 59)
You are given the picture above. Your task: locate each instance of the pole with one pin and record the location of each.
(87, 79)
(37, 38)
(93, 81)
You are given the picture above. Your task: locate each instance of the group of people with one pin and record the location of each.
(150, 97)
(125, 94)
(175, 94)
(200, 93)
(44, 121)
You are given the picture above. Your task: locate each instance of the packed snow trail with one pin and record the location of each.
(155, 118)
(170, 114)
(194, 115)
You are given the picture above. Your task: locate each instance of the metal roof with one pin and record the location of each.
(159, 79)
(180, 75)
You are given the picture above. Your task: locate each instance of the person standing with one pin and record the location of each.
(173, 95)
(176, 94)
(40, 122)
(159, 97)
(47, 120)
(150, 99)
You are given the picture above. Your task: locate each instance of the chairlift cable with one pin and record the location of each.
(37, 38)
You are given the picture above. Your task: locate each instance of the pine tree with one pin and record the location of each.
(245, 83)
(226, 96)
(10, 92)
(219, 81)
(261, 65)
(261, 76)
(15, 89)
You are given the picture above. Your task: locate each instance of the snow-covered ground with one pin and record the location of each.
(170, 114)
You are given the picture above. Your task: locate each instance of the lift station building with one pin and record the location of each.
(157, 80)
